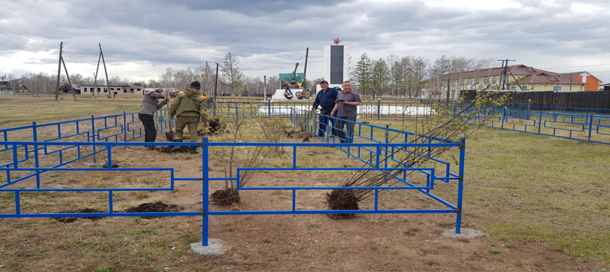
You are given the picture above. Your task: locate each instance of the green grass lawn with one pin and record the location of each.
(524, 187)
(21, 111)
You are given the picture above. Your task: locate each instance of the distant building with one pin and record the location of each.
(66, 88)
(520, 78)
(119, 89)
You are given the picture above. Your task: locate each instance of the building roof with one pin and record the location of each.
(532, 75)
(542, 78)
(519, 69)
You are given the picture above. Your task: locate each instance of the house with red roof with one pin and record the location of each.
(522, 78)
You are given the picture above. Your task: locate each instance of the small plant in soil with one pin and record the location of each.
(313, 226)
(495, 251)
(267, 130)
(332, 250)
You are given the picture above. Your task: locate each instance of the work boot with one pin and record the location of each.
(194, 150)
(176, 148)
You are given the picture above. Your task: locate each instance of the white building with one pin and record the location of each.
(121, 89)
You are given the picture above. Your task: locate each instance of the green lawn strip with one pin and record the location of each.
(47, 110)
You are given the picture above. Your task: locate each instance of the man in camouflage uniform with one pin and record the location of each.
(187, 108)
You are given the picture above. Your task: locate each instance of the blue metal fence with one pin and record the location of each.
(584, 124)
(104, 133)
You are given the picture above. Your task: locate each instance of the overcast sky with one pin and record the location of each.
(141, 38)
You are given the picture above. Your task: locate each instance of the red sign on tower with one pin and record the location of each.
(337, 41)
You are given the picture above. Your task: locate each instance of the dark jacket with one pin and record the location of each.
(326, 100)
(189, 103)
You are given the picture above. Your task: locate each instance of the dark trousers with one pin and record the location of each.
(341, 126)
(150, 132)
(323, 124)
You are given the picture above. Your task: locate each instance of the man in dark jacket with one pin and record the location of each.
(326, 99)
(150, 105)
(188, 108)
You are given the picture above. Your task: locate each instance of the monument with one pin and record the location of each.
(335, 63)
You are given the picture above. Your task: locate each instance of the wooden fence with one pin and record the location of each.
(599, 99)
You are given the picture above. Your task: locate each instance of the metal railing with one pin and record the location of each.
(583, 124)
(104, 133)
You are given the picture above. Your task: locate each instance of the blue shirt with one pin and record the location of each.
(326, 100)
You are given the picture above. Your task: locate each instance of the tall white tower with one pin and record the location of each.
(335, 63)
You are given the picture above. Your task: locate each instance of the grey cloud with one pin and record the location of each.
(269, 34)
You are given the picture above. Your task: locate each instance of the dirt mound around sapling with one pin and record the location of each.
(72, 219)
(168, 149)
(342, 200)
(226, 197)
(153, 207)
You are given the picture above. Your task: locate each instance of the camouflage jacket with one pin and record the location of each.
(188, 103)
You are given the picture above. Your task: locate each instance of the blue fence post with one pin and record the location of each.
(587, 121)
(17, 203)
(205, 196)
(590, 126)
(93, 137)
(458, 223)
(125, 128)
(539, 122)
(35, 134)
(387, 127)
(269, 107)
(503, 117)
(378, 108)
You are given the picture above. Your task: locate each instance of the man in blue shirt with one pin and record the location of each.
(326, 99)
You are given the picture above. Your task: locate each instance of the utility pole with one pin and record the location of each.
(305, 69)
(206, 75)
(68, 76)
(264, 88)
(61, 46)
(94, 85)
(504, 85)
(99, 58)
(215, 88)
(106, 71)
(61, 61)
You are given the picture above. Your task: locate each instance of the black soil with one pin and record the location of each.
(226, 197)
(72, 219)
(168, 149)
(342, 200)
(114, 165)
(153, 207)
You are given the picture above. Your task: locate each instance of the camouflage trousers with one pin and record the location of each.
(192, 122)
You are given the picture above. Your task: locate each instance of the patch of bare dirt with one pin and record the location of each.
(153, 207)
(72, 219)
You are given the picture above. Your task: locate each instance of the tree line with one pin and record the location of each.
(411, 76)
(406, 76)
